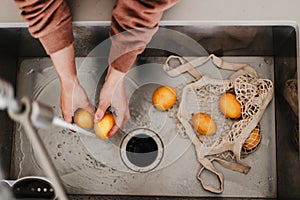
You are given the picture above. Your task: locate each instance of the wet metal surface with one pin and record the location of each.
(76, 164)
(93, 166)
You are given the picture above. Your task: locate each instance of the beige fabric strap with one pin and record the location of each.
(185, 66)
(207, 165)
(190, 66)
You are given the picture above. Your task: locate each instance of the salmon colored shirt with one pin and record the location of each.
(133, 24)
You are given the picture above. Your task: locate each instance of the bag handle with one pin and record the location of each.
(185, 66)
(207, 164)
(190, 66)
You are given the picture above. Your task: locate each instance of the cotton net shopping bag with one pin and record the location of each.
(253, 94)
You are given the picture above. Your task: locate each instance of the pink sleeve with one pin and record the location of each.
(50, 21)
(134, 22)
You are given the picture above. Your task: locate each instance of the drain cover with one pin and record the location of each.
(141, 150)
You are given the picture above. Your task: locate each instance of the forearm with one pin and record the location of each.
(64, 64)
(133, 24)
(73, 95)
(48, 20)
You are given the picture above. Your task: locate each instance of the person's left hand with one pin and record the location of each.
(73, 97)
(72, 94)
(113, 95)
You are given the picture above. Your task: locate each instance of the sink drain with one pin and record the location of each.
(141, 150)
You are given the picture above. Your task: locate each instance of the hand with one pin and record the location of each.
(113, 94)
(73, 97)
(72, 94)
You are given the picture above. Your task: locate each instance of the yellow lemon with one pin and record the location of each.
(204, 124)
(229, 106)
(103, 127)
(253, 140)
(83, 118)
(164, 97)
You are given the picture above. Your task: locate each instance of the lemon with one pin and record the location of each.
(164, 97)
(103, 127)
(204, 124)
(229, 106)
(253, 140)
(83, 119)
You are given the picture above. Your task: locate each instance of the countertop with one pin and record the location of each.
(270, 11)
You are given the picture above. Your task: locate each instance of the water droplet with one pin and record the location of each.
(59, 146)
(30, 71)
(268, 61)
(59, 154)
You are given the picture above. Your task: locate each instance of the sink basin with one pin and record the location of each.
(90, 167)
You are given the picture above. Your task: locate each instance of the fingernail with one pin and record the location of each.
(96, 119)
(98, 116)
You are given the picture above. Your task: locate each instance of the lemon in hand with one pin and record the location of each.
(83, 119)
(103, 127)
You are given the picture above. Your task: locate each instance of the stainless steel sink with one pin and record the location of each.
(94, 168)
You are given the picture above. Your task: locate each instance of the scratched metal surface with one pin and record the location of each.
(89, 166)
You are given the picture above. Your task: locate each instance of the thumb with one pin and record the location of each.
(100, 112)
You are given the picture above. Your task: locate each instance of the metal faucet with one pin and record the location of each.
(32, 114)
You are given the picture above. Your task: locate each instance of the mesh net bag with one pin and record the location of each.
(233, 138)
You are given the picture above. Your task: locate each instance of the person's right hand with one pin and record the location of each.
(113, 95)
